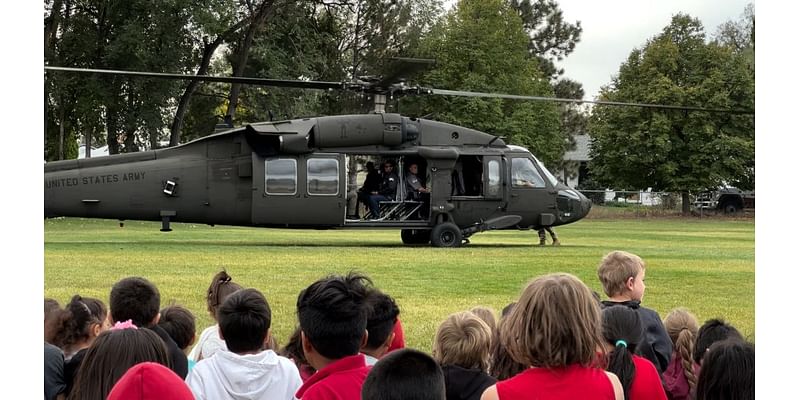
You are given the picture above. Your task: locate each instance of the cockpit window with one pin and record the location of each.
(553, 180)
(524, 174)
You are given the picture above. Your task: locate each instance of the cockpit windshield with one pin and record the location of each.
(553, 180)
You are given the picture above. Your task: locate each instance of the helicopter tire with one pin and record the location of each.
(446, 234)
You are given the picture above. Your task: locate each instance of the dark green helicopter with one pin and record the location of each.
(294, 174)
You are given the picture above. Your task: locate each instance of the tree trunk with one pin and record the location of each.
(88, 150)
(183, 104)
(240, 58)
(112, 126)
(685, 209)
(61, 133)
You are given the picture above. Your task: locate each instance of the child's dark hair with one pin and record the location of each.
(382, 314)
(73, 324)
(221, 287)
(622, 328)
(333, 315)
(244, 320)
(294, 349)
(404, 374)
(135, 299)
(503, 366)
(179, 323)
(110, 356)
(714, 330)
(728, 371)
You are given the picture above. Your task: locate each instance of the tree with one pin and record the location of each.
(550, 37)
(481, 46)
(673, 150)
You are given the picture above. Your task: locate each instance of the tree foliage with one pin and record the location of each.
(670, 150)
(481, 46)
(551, 38)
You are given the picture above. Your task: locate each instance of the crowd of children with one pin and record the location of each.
(558, 340)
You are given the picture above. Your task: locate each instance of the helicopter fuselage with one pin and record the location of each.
(302, 174)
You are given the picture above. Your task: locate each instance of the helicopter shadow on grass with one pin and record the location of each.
(296, 244)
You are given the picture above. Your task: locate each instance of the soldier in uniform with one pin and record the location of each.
(543, 236)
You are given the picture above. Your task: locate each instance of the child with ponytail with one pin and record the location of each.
(622, 331)
(209, 343)
(680, 379)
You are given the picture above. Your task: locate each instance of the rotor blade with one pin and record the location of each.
(209, 78)
(605, 103)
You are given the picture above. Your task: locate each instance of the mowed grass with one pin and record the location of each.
(707, 266)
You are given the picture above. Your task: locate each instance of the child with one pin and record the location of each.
(622, 330)
(728, 371)
(714, 330)
(294, 351)
(179, 323)
(555, 329)
(138, 300)
(75, 328)
(622, 276)
(111, 355)
(487, 315)
(333, 320)
(679, 378)
(245, 370)
(404, 374)
(150, 381)
(381, 320)
(461, 347)
(209, 343)
(51, 309)
(503, 366)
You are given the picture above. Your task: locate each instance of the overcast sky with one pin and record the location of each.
(611, 29)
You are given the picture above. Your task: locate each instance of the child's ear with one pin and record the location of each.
(219, 331)
(267, 345)
(96, 329)
(155, 320)
(389, 341)
(364, 339)
(629, 283)
(307, 346)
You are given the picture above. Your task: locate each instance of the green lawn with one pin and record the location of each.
(707, 265)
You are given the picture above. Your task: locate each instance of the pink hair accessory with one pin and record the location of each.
(124, 325)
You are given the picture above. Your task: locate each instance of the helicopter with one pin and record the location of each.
(294, 173)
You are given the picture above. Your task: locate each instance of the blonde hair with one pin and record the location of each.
(555, 323)
(616, 268)
(681, 327)
(487, 315)
(463, 339)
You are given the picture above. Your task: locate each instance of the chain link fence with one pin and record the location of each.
(636, 204)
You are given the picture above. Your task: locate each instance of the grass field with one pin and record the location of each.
(707, 266)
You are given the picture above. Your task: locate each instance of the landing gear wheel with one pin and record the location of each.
(446, 234)
(415, 236)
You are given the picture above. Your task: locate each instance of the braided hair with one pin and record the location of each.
(681, 327)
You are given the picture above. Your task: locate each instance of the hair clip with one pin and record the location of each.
(621, 343)
(124, 325)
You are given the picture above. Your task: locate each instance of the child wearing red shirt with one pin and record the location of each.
(622, 330)
(555, 329)
(333, 323)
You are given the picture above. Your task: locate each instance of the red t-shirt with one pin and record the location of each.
(646, 383)
(340, 380)
(571, 382)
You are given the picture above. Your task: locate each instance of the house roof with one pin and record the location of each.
(581, 152)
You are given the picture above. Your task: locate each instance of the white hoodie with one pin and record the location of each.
(227, 375)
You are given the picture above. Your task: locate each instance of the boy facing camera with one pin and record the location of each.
(622, 276)
(333, 324)
(245, 371)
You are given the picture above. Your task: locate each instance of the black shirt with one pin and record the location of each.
(178, 362)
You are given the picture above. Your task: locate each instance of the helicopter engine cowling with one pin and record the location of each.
(363, 130)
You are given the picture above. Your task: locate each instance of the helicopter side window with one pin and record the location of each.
(281, 176)
(524, 174)
(493, 184)
(323, 176)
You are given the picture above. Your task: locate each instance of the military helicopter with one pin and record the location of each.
(294, 173)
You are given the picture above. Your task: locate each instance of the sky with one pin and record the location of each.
(612, 29)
